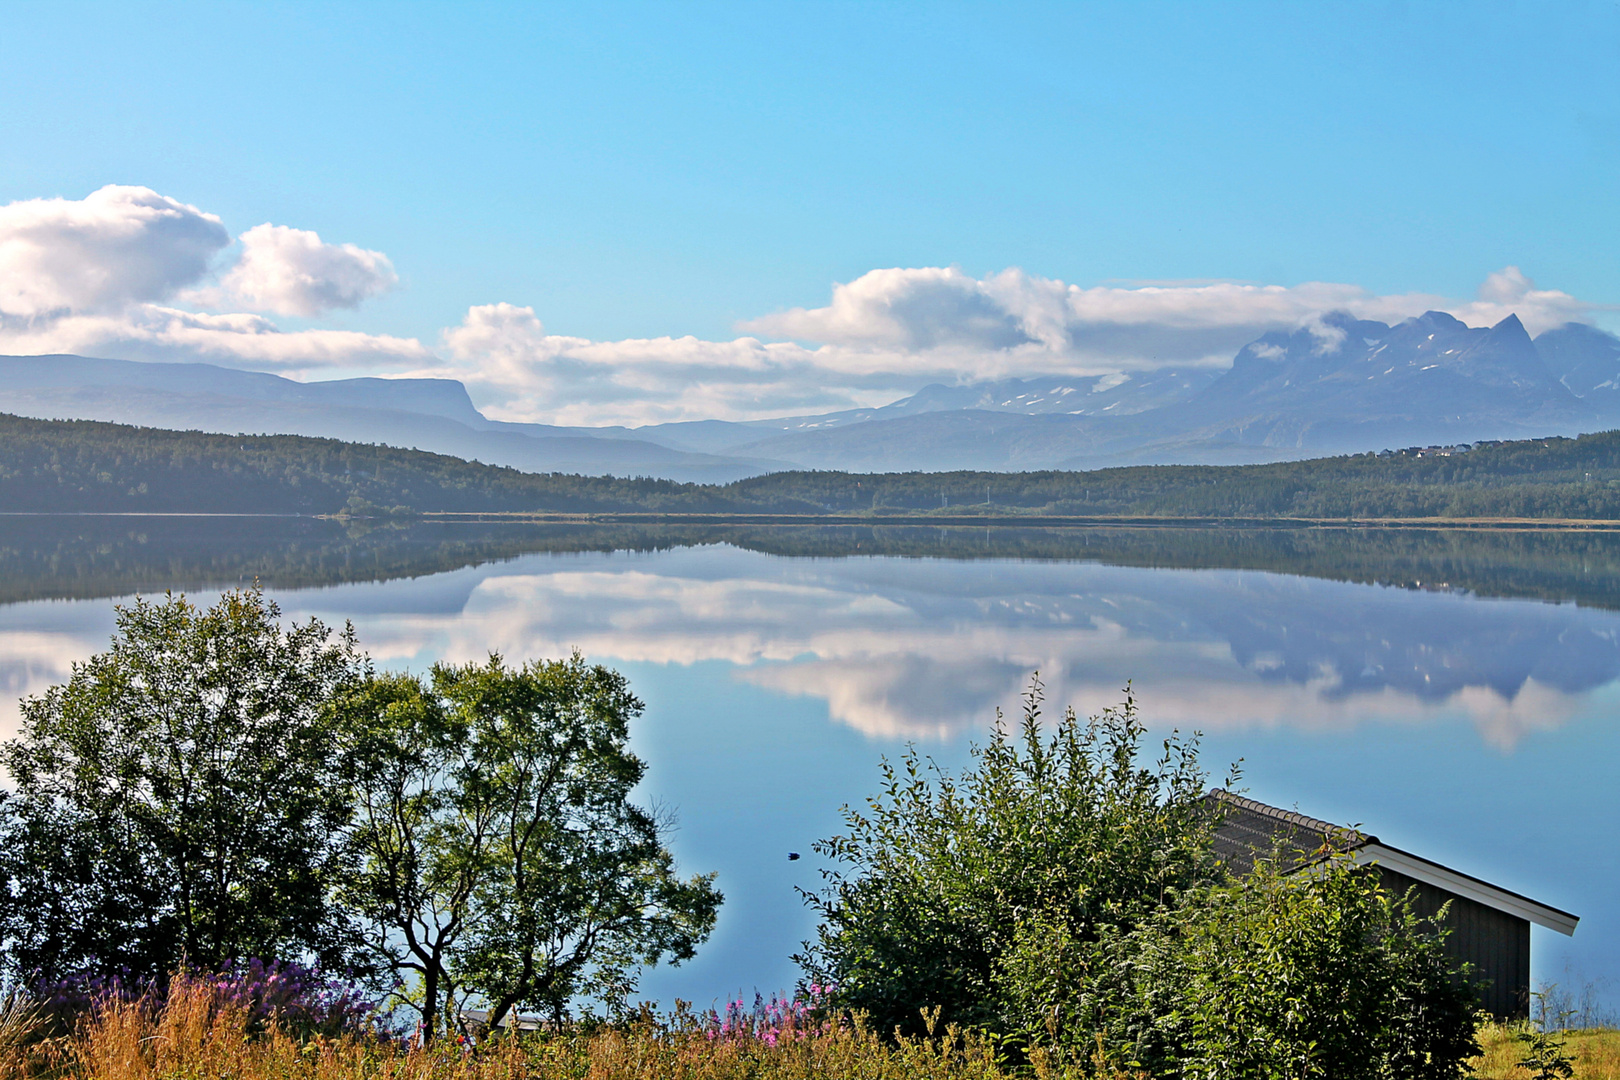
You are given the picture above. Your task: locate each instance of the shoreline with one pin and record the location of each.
(1050, 521)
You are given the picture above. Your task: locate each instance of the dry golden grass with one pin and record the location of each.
(196, 1037)
(1596, 1054)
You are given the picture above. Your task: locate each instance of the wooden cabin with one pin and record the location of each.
(1490, 926)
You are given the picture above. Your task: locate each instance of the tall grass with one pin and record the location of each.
(197, 1032)
(20, 1022)
(1596, 1053)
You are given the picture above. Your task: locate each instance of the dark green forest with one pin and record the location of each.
(49, 466)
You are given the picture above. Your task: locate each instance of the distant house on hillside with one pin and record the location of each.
(1490, 925)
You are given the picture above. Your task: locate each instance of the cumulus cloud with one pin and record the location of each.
(521, 372)
(1510, 292)
(155, 332)
(890, 332)
(128, 272)
(116, 247)
(1152, 325)
(921, 308)
(100, 276)
(293, 272)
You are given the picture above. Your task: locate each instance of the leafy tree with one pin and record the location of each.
(181, 797)
(503, 858)
(954, 893)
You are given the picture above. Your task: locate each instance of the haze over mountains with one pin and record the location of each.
(1342, 385)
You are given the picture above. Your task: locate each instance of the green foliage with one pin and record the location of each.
(1063, 897)
(503, 858)
(986, 897)
(181, 798)
(1321, 973)
(1544, 1057)
(1544, 1051)
(215, 787)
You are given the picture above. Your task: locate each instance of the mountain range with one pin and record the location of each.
(1340, 386)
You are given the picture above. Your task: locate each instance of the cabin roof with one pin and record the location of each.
(1250, 830)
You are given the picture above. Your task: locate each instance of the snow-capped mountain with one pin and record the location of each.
(1342, 385)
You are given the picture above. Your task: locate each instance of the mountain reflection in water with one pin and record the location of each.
(1406, 678)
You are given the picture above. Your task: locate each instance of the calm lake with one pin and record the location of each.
(1455, 693)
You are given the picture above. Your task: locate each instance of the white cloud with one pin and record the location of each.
(127, 272)
(890, 332)
(293, 272)
(914, 309)
(520, 372)
(1510, 292)
(1145, 326)
(155, 332)
(99, 276)
(116, 247)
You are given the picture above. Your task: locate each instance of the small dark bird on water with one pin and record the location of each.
(792, 855)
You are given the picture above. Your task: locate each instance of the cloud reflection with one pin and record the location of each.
(928, 649)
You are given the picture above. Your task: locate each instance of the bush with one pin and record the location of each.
(1065, 899)
(1317, 974)
(986, 897)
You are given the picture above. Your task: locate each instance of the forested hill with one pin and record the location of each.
(82, 466)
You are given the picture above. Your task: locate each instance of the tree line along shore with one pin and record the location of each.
(73, 466)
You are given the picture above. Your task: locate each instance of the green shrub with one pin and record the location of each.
(986, 897)
(1317, 974)
(1064, 898)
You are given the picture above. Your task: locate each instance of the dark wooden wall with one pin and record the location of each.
(1496, 943)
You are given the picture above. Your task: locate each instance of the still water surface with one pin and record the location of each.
(1453, 693)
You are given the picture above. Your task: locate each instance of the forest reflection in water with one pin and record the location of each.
(82, 556)
(1435, 685)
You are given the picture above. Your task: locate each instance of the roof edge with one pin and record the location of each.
(1466, 885)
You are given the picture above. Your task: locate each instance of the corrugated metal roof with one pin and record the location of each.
(1250, 830)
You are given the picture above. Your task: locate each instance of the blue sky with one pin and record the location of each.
(636, 171)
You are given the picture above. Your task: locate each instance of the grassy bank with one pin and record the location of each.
(193, 1035)
(196, 1035)
(1596, 1054)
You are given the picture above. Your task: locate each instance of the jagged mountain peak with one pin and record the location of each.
(1583, 358)
(1343, 368)
(1438, 321)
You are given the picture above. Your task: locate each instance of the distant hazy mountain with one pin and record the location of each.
(1342, 386)
(424, 414)
(1586, 361)
(1096, 395)
(1352, 385)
